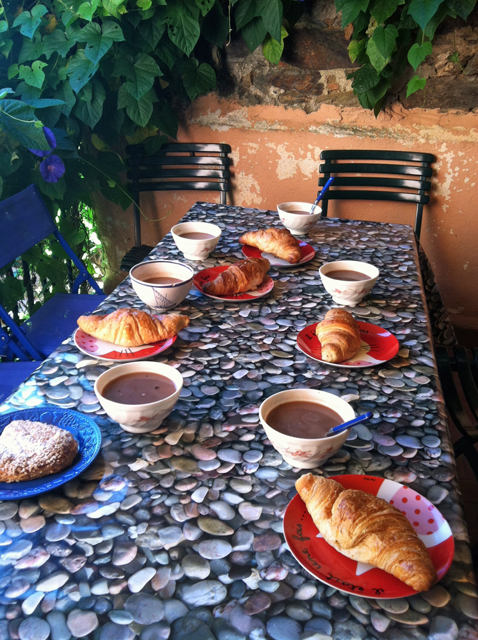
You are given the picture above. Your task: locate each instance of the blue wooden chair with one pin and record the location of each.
(24, 222)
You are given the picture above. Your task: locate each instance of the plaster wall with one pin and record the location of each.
(276, 157)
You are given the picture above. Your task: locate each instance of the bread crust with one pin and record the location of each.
(30, 450)
(280, 242)
(242, 276)
(339, 336)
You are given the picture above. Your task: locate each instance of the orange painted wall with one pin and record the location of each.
(276, 156)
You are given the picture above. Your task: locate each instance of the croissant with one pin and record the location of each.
(280, 242)
(241, 276)
(338, 335)
(367, 529)
(132, 327)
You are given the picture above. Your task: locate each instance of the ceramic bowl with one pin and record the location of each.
(139, 418)
(344, 292)
(298, 223)
(305, 453)
(161, 297)
(196, 249)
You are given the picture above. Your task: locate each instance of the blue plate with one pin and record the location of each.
(85, 431)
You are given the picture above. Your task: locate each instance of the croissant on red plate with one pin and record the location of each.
(367, 529)
(280, 242)
(339, 336)
(132, 327)
(242, 276)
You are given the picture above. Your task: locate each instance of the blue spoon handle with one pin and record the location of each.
(321, 194)
(348, 425)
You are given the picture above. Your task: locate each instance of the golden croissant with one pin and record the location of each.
(367, 529)
(280, 242)
(132, 327)
(245, 275)
(339, 336)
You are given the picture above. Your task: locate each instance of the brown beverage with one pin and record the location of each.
(161, 280)
(300, 212)
(347, 275)
(139, 388)
(303, 419)
(196, 235)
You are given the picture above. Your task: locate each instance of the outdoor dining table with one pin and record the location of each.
(179, 533)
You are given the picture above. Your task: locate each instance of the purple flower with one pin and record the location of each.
(50, 138)
(52, 169)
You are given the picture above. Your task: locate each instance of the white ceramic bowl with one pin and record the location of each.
(344, 292)
(161, 297)
(305, 453)
(196, 249)
(297, 223)
(139, 418)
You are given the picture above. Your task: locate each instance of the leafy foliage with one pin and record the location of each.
(389, 33)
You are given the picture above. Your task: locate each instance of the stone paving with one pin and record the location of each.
(178, 534)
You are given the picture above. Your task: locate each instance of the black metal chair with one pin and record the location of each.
(407, 178)
(175, 167)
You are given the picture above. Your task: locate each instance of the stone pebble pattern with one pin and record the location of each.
(179, 533)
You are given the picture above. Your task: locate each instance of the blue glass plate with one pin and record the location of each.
(82, 428)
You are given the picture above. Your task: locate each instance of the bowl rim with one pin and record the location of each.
(145, 404)
(350, 262)
(180, 224)
(297, 202)
(161, 286)
(295, 438)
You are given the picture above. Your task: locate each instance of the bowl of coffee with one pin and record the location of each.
(297, 420)
(348, 281)
(139, 395)
(161, 284)
(296, 216)
(196, 240)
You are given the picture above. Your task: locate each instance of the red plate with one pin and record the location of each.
(102, 350)
(206, 275)
(306, 251)
(330, 566)
(378, 345)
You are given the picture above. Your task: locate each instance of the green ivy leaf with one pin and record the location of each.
(29, 22)
(245, 12)
(350, 9)
(142, 75)
(454, 57)
(183, 28)
(139, 111)
(356, 49)
(462, 8)
(272, 49)
(152, 30)
(34, 76)
(271, 12)
(422, 11)
(165, 118)
(11, 291)
(80, 70)
(89, 107)
(364, 78)
(3, 26)
(418, 53)
(144, 4)
(381, 46)
(205, 6)
(415, 84)
(31, 50)
(18, 120)
(57, 42)
(6, 47)
(113, 7)
(381, 10)
(100, 39)
(198, 79)
(4, 92)
(254, 33)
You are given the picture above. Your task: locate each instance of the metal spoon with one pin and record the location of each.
(348, 425)
(321, 194)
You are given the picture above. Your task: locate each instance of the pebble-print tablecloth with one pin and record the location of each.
(178, 534)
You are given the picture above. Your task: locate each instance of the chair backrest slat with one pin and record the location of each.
(181, 147)
(220, 174)
(356, 170)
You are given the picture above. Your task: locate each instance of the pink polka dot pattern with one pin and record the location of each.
(421, 516)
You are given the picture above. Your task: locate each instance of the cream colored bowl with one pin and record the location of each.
(196, 249)
(344, 292)
(139, 418)
(298, 224)
(161, 297)
(305, 453)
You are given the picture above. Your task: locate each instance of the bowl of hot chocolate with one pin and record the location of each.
(348, 281)
(298, 217)
(196, 240)
(296, 422)
(139, 395)
(161, 284)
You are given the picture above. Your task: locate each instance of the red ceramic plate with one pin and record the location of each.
(330, 566)
(102, 350)
(207, 275)
(307, 252)
(378, 345)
